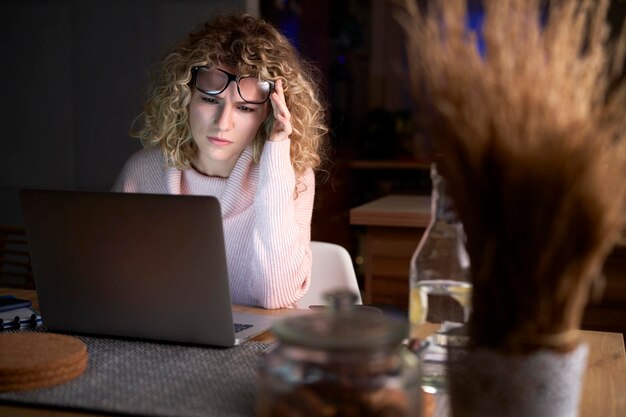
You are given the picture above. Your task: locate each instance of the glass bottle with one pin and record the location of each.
(440, 268)
(345, 360)
(440, 287)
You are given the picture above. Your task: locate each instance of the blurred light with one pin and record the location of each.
(475, 24)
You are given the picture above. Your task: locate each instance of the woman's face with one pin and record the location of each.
(222, 126)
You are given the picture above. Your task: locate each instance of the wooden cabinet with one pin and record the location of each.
(393, 228)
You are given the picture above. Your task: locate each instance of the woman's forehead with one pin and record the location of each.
(237, 69)
(228, 68)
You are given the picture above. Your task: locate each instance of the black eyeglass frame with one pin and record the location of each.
(231, 77)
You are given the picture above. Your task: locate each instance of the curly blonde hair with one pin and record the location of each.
(255, 48)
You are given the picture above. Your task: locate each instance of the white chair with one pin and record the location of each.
(332, 269)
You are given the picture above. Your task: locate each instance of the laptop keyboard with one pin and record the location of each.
(240, 326)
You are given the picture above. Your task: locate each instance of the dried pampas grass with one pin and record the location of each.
(531, 140)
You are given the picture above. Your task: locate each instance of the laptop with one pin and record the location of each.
(141, 266)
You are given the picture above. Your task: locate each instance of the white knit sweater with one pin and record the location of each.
(267, 231)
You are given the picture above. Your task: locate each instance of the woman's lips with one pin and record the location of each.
(218, 141)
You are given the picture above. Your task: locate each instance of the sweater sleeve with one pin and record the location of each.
(282, 230)
(142, 173)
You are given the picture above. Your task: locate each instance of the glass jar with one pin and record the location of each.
(345, 361)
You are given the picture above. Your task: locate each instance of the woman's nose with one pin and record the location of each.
(224, 118)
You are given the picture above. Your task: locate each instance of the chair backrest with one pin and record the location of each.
(332, 269)
(15, 267)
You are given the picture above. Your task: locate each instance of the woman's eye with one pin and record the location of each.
(209, 99)
(245, 109)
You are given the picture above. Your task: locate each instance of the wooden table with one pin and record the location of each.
(394, 225)
(603, 393)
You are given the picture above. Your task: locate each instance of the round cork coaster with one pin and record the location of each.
(37, 360)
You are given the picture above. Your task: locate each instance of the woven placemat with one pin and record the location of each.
(157, 379)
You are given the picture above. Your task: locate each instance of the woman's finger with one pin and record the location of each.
(282, 117)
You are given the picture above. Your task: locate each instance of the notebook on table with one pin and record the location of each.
(133, 265)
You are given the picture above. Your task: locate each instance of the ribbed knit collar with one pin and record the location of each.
(244, 177)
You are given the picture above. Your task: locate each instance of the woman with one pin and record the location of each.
(234, 113)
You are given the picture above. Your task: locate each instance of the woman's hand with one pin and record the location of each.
(282, 118)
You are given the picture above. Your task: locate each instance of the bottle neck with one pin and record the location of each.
(442, 206)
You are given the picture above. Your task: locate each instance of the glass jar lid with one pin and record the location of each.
(342, 326)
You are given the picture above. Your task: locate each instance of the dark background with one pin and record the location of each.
(73, 74)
